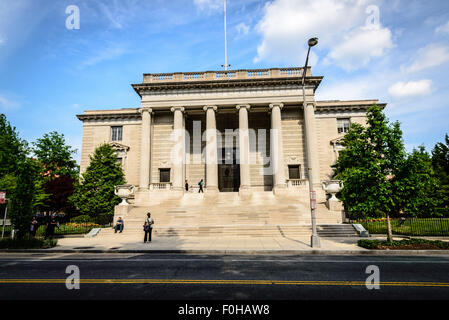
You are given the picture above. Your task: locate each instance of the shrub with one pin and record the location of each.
(27, 243)
(404, 244)
(81, 219)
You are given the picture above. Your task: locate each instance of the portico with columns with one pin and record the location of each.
(242, 131)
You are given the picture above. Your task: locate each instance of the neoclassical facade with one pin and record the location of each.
(242, 131)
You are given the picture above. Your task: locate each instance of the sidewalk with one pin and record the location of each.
(107, 240)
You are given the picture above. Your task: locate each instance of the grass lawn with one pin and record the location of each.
(412, 227)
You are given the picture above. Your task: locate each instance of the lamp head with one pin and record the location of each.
(313, 42)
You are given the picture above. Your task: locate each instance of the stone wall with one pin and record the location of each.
(96, 133)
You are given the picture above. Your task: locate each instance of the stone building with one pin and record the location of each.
(244, 132)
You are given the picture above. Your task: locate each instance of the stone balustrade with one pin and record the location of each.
(225, 75)
(160, 186)
(292, 183)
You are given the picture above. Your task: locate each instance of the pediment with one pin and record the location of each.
(118, 146)
(338, 140)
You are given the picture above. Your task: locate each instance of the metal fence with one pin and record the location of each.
(408, 226)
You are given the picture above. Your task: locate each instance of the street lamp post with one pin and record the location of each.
(315, 239)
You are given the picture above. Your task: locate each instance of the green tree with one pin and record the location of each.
(58, 171)
(368, 166)
(55, 155)
(94, 195)
(417, 185)
(440, 162)
(24, 196)
(13, 150)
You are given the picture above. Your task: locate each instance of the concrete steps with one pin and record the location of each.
(263, 215)
(257, 231)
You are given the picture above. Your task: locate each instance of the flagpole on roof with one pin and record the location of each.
(226, 65)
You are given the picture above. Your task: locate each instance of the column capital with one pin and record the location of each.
(277, 104)
(145, 109)
(246, 106)
(173, 109)
(205, 108)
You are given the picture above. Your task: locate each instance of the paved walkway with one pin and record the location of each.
(108, 240)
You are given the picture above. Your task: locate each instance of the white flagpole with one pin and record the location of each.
(226, 49)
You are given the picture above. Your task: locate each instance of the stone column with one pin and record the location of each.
(211, 150)
(245, 181)
(277, 150)
(311, 146)
(178, 154)
(145, 146)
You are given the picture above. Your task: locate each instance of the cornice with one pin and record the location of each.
(109, 116)
(177, 85)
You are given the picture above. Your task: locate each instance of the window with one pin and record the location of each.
(119, 160)
(116, 133)
(294, 171)
(343, 125)
(164, 175)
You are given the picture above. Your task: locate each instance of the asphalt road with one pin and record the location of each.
(217, 277)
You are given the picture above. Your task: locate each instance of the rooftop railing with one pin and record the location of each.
(225, 75)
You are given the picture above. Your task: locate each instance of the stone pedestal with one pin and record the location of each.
(334, 205)
(121, 211)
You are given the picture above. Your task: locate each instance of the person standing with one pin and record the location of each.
(187, 186)
(34, 227)
(201, 186)
(148, 228)
(51, 225)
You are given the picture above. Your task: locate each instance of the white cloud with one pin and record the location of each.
(431, 56)
(345, 28)
(7, 103)
(113, 18)
(242, 28)
(411, 88)
(209, 4)
(360, 46)
(107, 53)
(443, 28)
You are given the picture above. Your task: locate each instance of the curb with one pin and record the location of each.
(248, 252)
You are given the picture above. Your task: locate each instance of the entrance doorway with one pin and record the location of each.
(228, 170)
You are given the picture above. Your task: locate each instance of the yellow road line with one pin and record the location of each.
(224, 282)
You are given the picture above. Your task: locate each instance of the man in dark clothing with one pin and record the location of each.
(50, 231)
(119, 225)
(201, 186)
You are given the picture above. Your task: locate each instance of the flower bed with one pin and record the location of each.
(406, 244)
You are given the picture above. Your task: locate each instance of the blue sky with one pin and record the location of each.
(396, 51)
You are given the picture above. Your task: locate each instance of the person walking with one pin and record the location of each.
(148, 228)
(201, 186)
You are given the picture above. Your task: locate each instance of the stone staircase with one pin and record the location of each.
(264, 215)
